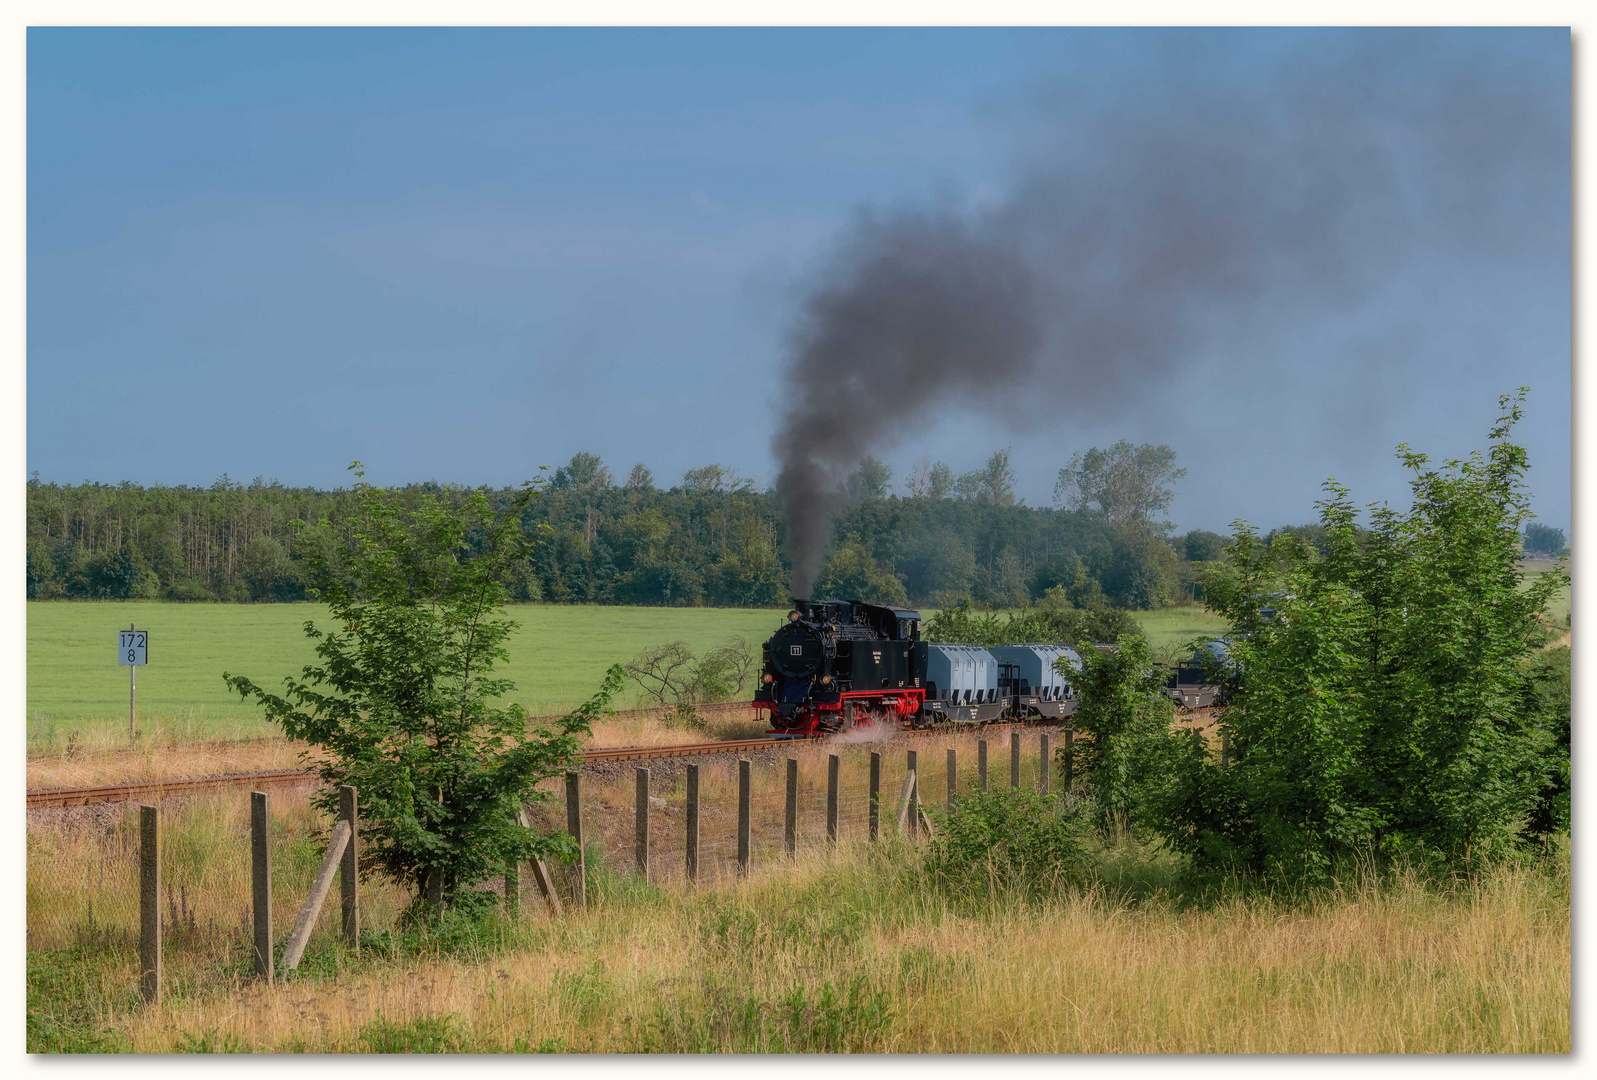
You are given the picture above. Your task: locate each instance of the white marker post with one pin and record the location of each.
(132, 652)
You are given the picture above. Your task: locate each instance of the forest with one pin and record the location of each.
(936, 539)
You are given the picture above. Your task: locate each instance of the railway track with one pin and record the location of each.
(110, 793)
(83, 796)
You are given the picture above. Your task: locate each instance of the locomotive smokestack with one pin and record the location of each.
(1147, 235)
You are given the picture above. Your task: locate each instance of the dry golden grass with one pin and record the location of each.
(164, 755)
(1394, 968)
(847, 950)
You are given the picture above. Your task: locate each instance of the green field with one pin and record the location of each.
(556, 658)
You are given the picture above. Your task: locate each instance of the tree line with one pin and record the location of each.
(936, 539)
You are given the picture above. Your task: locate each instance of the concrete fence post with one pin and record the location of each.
(953, 779)
(1070, 757)
(745, 795)
(349, 869)
(790, 818)
(1014, 759)
(912, 786)
(693, 823)
(640, 840)
(832, 766)
(875, 802)
(579, 870)
(261, 881)
(981, 763)
(540, 874)
(513, 888)
(150, 904)
(1042, 765)
(319, 888)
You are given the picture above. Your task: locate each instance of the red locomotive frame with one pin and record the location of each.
(898, 706)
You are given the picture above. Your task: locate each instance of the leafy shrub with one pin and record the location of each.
(1547, 688)
(404, 704)
(1127, 721)
(1385, 702)
(1007, 838)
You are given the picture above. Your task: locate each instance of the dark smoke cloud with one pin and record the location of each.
(1137, 236)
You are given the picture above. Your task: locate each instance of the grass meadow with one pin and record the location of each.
(855, 949)
(557, 658)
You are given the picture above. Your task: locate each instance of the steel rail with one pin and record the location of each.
(82, 796)
(111, 793)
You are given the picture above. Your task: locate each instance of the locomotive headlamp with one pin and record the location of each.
(792, 616)
(767, 678)
(825, 679)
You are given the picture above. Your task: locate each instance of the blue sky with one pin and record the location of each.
(460, 254)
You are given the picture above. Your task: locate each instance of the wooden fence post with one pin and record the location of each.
(831, 797)
(261, 881)
(150, 904)
(981, 763)
(745, 794)
(1014, 759)
(693, 823)
(1070, 757)
(876, 794)
(790, 821)
(349, 870)
(324, 881)
(1225, 748)
(640, 840)
(952, 779)
(1042, 766)
(579, 871)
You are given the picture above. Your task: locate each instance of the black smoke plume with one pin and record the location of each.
(1138, 235)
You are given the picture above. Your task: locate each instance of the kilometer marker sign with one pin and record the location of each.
(132, 652)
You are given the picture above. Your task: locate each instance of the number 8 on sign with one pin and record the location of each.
(133, 648)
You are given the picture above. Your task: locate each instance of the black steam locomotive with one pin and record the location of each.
(838, 664)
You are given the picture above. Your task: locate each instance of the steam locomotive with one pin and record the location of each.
(840, 664)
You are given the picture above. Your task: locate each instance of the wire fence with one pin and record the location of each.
(83, 862)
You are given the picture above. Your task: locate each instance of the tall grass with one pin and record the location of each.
(857, 949)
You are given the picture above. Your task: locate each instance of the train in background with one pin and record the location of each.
(841, 664)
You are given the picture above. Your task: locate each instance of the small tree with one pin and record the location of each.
(1127, 721)
(403, 703)
(677, 680)
(1545, 540)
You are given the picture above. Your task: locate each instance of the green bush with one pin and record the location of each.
(1127, 721)
(1007, 839)
(403, 701)
(1386, 702)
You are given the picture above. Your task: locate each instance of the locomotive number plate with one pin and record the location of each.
(798, 650)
